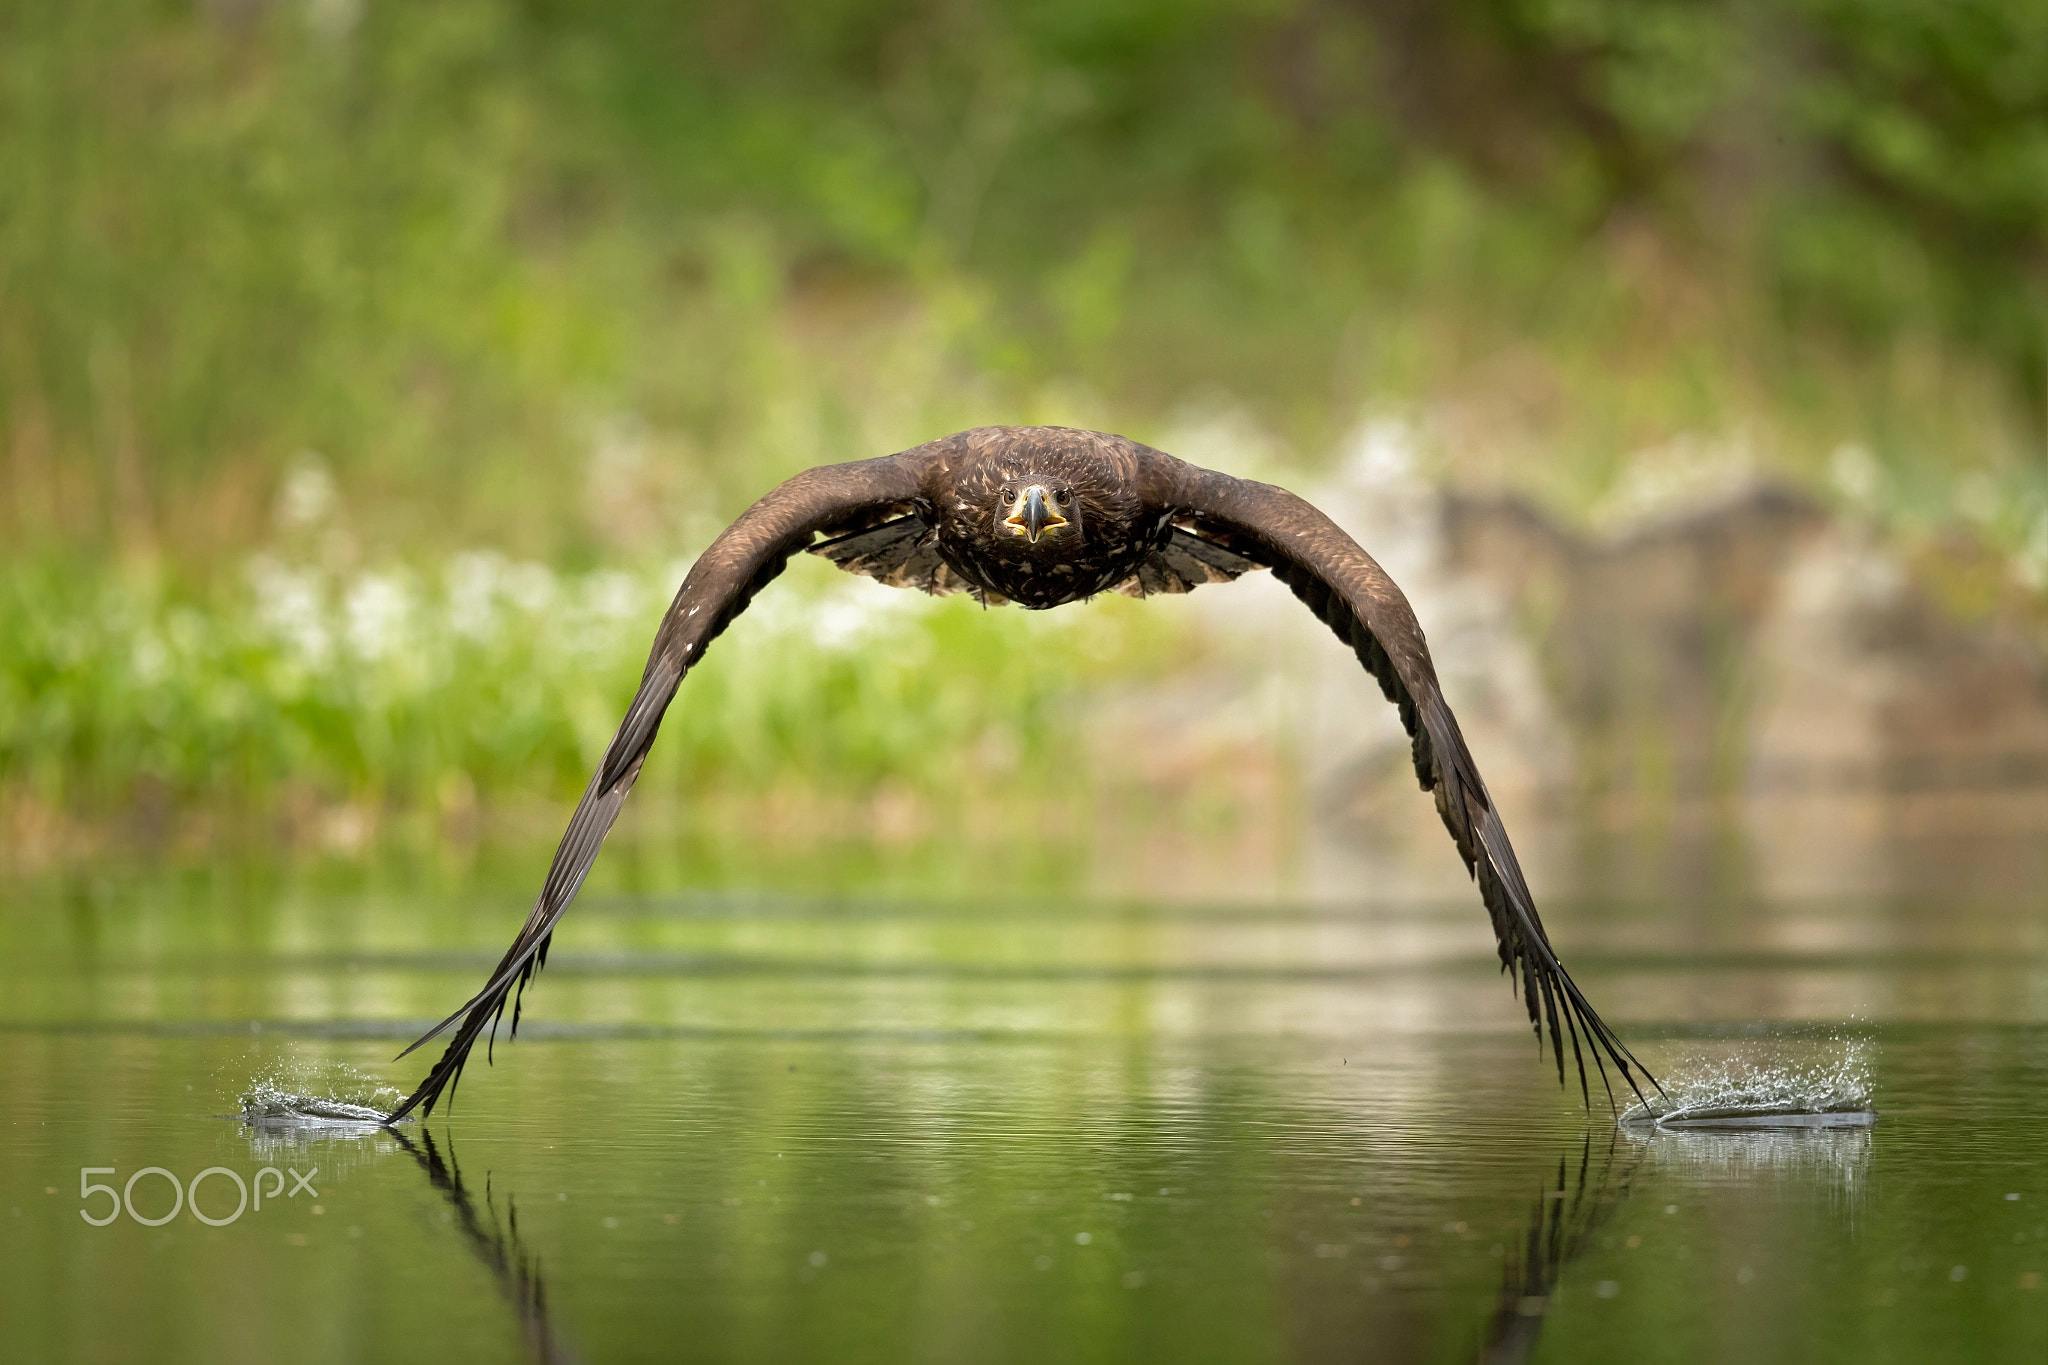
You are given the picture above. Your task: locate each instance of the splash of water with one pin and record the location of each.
(332, 1095)
(1831, 1090)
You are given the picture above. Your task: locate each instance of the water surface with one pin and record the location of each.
(747, 1127)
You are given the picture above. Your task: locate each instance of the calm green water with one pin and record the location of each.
(756, 1128)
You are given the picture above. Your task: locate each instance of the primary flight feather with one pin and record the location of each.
(1043, 516)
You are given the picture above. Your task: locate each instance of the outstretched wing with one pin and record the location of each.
(751, 552)
(1349, 591)
(1183, 563)
(901, 552)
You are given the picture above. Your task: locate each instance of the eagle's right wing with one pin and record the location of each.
(744, 558)
(901, 552)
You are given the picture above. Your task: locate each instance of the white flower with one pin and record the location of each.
(472, 578)
(291, 605)
(378, 611)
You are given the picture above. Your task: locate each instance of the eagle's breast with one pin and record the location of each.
(1048, 574)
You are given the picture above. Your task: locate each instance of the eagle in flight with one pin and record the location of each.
(1043, 516)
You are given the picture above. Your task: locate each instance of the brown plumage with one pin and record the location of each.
(1043, 516)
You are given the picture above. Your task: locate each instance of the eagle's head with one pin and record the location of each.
(1040, 515)
(1041, 492)
(1036, 507)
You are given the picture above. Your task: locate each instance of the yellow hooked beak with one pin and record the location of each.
(1032, 514)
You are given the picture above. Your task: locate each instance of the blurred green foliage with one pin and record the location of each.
(497, 676)
(578, 280)
(439, 242)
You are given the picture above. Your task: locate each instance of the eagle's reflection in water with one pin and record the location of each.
(1592, 1180)
(1585, 1192)
(1572, 1205)
(516, 1269)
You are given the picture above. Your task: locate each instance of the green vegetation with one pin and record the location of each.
(573, 282)
(495, 676)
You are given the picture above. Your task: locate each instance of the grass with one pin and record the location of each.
(484, 679)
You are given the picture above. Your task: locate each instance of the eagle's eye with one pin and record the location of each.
(1063, 496)
(1008, 494)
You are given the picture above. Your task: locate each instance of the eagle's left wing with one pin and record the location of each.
(1185, 561)
(1352, 594)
